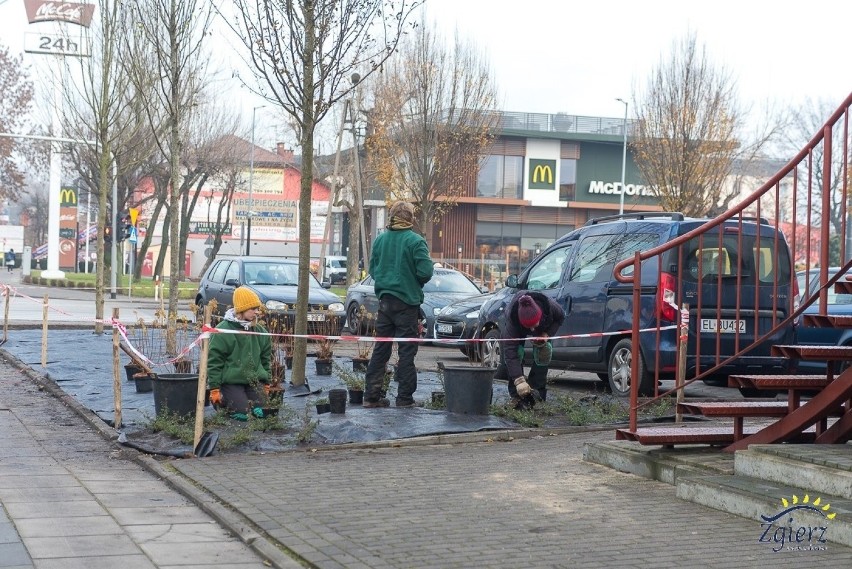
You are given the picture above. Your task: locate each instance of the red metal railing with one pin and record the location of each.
(797, 203)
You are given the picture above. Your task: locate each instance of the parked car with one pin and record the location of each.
(445, 286)
(458, 321)
(276, 283)
(838, 305)
(577, 272)
(335, 270)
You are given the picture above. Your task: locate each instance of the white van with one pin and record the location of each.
(335, 270)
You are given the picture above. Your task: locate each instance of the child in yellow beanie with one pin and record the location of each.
(238, 363)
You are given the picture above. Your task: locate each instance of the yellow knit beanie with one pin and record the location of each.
(245, 299)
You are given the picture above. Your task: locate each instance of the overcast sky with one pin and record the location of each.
(577, 57)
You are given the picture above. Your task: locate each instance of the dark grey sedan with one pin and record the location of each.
(276, 283)
(445, 287)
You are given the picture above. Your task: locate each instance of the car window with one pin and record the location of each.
(761, 259)
(598, 254)
(233, 272)
(217, 275)
(547, 271)
(275, 273)
(446, 281)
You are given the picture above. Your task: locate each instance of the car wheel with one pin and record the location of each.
(471, 352)
(490, 349)
(620, 361)
(199, 314)
(352, 321)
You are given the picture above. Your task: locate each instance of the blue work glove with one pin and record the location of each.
(239, 416)
(257, 412)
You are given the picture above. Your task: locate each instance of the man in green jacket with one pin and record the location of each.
(238, 363)
(400, 266)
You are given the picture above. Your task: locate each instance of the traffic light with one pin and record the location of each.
(126, 226)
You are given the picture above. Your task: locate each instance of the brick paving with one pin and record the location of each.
(70, 499)
(520, 503)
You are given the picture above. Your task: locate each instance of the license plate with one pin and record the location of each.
(723, 326)
(444, 328)
(316, 317)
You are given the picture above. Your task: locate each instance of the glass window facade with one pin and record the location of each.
(567, 179)
(501, 177)
(514, 245)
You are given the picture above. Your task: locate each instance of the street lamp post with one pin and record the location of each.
(251, 180)
(623, 157)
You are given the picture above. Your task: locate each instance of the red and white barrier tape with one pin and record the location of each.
(206, 331)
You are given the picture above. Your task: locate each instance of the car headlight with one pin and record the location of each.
(472, 315)
(275, 305)
(436, 311)
(336, 307)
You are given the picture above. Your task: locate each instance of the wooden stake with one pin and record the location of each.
(683, 339)
(6, 315)
(116, 375)
(44, 332)
(202, 380)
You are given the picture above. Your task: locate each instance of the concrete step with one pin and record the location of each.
(761, 500)
(805, 466)
(658, 463)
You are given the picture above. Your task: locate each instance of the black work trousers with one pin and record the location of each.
(396, 319)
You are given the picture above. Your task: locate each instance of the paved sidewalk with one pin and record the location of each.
(70, 499)
(74, 499)
(518, 503)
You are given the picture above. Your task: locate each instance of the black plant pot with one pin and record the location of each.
(144, 383)
(356, 396)
(360, 364)
(131, 370)
(323, 408)
(337, 400)
(323, 367)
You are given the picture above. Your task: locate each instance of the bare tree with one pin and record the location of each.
(303, 53)
(168, 41)
(685, 141)
(434, 115)
(16, 94)
(806, 120)
(92, 111)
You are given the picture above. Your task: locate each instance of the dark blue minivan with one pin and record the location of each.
(736, 280)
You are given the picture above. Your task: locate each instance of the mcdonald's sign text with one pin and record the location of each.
(542, 174)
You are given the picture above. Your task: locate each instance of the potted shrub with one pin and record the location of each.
(354, 384)
(365, 347)
(323, 406)
(325, 346)
(324, 353)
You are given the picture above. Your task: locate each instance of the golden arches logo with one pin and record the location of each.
(542, 174)
(68, 197)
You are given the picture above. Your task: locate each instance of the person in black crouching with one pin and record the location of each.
(530, 314)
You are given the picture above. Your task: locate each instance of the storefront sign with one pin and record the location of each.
(599, 187)
(542, 174)
(48, 11)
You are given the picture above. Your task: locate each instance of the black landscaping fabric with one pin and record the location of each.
(81, 363)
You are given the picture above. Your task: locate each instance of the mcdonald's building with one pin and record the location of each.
(545, 176)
